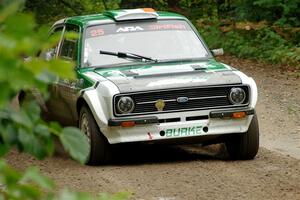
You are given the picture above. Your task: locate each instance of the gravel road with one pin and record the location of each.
(193, 172)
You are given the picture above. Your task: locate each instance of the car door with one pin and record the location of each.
(63, 93)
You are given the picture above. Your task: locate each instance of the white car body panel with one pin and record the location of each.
(100, 98)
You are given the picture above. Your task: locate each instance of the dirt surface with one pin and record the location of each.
(278, 105)
(193, 172)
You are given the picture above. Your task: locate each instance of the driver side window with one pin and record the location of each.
(69, 46)
(51, 53)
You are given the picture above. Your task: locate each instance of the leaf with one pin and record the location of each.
(32, 110)
(9, 176)
(122, 195)
(118, 196)
(25, 192)
(31, 144)
(46, 77)
(20, 79)
(9, 134)
(33, 174)
(75, 143)
(21, 118)
(62, 68)
(55, 128)
(35, 65)
(4, 94)
(18, 32)
(4, 148)
(42, 130)
(69, 195)
(9, 10)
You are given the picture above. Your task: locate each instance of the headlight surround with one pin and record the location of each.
(125, 105)
(237, 95)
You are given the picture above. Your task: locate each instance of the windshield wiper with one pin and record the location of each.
(128, 55)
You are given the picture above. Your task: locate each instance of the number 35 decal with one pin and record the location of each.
(97, 32)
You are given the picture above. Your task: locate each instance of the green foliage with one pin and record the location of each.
(264, 44)
(279, 11)
(22, 126)
(85, 196)
(31, 185)
(26, 186)
(278, 47)
(283, 12)
(157, 4)
(25, 130)
(47, 11)
(75, 142)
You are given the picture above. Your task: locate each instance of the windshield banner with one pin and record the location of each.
(163, 25)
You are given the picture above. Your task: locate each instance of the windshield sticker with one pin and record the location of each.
(97, 32)
(167, 27)
(163, 25)
(130, 29)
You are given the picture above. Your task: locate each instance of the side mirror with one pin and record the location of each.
(217, 52)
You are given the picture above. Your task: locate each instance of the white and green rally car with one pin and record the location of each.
(147, 76)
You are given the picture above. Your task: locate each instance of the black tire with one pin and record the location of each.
(244, 146)
(100, 152)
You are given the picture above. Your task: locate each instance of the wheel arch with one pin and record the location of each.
(79, 104)
(90, 99)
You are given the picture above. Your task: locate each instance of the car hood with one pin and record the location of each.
(169, 75)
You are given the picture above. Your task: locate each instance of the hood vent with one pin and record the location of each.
(130, 73)
(198, 67)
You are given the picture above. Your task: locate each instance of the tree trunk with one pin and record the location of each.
(77, 8)
(220, 11)
(174, 5)
(104, 4)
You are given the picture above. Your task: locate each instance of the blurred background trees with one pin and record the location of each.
(261, 29)
(274, 11)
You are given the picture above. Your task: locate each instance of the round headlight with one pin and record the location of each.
(237, 96)
(125, 105)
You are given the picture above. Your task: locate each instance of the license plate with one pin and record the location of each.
(184, 131)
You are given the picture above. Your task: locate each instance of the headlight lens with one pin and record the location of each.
(237, 95)
(125, 105)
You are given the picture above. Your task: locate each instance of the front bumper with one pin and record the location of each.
(149, 129)
(155, 120)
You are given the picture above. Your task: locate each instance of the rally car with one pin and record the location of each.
(148, 76)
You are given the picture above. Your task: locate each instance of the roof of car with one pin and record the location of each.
(111, 16)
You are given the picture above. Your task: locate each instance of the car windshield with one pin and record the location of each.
(161, 40)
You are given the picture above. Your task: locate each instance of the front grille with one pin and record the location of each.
(198, 99)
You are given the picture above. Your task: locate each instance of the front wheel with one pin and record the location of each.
(100, 151)
(244, 146)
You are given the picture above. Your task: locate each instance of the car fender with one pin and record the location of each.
(99, 100)
(249, 81)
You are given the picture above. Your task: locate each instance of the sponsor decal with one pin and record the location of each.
(167, 27)
(97, 32)
(181, 132)
(160, 25)
(130, 29)
(160, 105)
